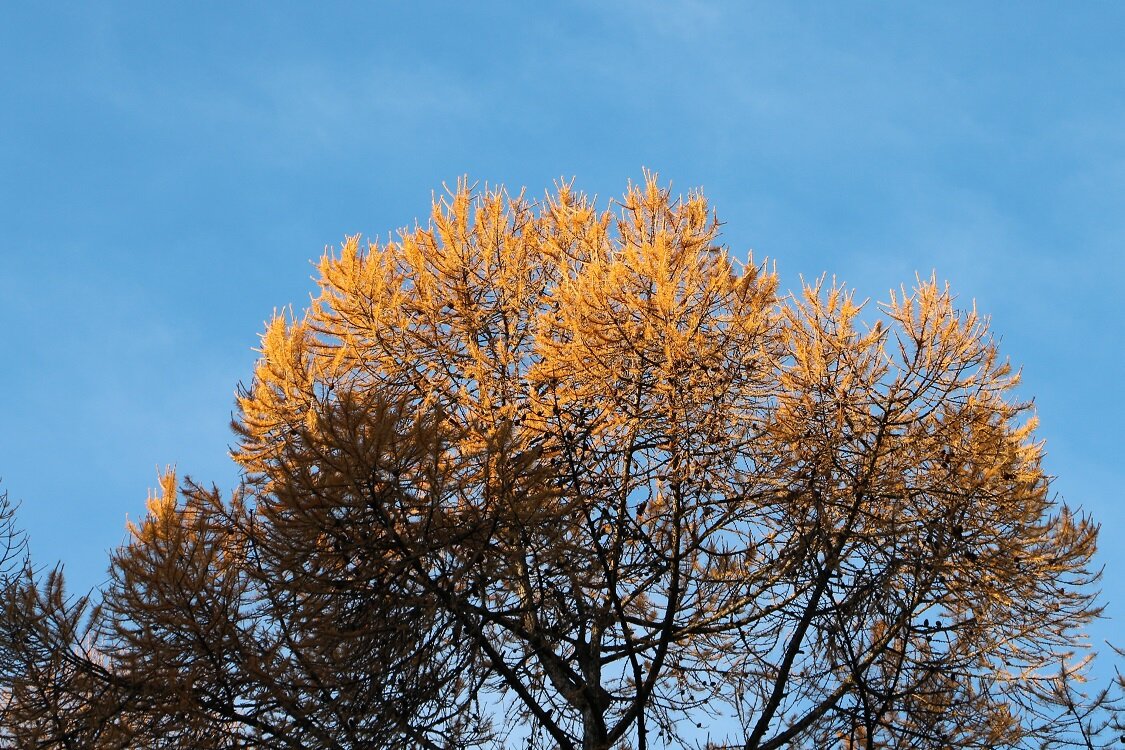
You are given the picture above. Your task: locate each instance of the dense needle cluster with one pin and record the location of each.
(542, 475)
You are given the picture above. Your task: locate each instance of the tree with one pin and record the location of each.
(542, 474)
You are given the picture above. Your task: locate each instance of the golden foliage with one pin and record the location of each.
(575, 476)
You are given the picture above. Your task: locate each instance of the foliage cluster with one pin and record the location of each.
(547, 475)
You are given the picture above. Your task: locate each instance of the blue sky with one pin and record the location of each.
(167, 172)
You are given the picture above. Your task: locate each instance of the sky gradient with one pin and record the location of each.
(168, 173)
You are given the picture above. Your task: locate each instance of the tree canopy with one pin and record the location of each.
(546, 475)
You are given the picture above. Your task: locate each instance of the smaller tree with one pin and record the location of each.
(203, 639)
(54, 687)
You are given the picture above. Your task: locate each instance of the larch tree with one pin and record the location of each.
(538, 474)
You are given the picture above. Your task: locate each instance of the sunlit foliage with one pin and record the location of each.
(544, 475)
